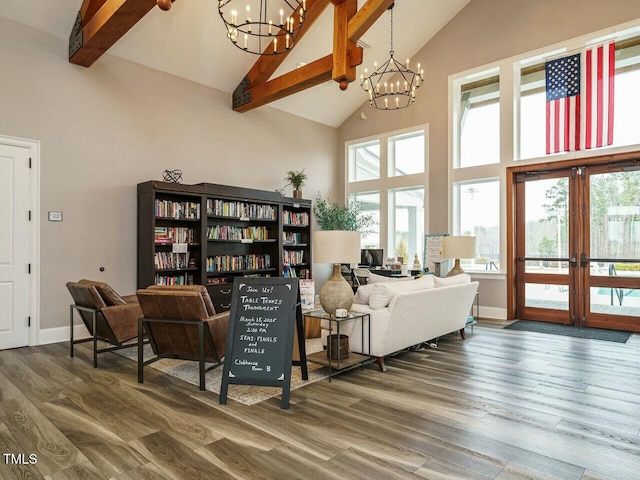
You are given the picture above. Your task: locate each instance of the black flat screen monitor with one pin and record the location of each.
(373, 257)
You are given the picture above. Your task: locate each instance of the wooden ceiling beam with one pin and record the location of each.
(350, 24)
(365, 17)
(267, 64)
(104, 22)
(292, 82)
(343, 73)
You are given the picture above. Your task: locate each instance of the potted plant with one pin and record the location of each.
(296, 179)
(338, 242)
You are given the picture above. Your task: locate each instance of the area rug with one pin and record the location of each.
(570, 331)
(246, 394)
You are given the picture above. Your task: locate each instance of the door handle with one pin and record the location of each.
(573, 261)
(584, 260)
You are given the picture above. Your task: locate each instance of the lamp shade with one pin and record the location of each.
(336, 246)
(459, 247)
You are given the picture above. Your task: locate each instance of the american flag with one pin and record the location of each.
(580, 100)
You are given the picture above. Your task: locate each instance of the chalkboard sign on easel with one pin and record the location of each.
(259, 349)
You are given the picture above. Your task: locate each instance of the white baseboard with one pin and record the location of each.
(494, 313)
(61, 334)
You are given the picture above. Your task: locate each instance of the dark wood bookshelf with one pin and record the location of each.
(204, 248)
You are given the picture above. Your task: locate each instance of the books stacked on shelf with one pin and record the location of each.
(304, 273)
(231, 263)
(183, 279)
(299, 219)
(169, 235)
(291, 238)
(168, 260)
(256, 211)
(289, 272)
(227, 232)
(177, 210)
(293, 257)
(216, 280)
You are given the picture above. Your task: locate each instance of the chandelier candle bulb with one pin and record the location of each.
(386, 102)
(234, 17)
(286, 44)
(406, 86)
(397, 102)
(248, 13)
(270, 25)
(275, 44)
(281, 17)
(246, 40)
(385, 88)
(301, 14)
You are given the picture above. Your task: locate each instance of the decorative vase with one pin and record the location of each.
(297, 193)
(336, 292)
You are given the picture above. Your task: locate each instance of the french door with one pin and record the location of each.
(577, 244)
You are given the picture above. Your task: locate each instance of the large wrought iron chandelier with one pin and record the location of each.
(393, 85)
(263, 27)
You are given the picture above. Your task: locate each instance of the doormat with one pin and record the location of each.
(247, 394)
(570, 331)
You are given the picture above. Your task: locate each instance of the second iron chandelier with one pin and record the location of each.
(393, 85)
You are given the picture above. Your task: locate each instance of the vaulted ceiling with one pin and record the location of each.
(189, 41)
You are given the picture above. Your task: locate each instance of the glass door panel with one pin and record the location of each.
(544, 264)
(612, 267)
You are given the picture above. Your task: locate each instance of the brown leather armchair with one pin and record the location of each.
(181, 322)
(108, 316)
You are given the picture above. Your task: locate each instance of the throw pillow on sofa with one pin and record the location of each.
(363, 293)
(455, 280)
(382, 293)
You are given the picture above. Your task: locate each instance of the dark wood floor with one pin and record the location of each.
(502, 404)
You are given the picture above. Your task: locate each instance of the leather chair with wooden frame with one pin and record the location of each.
(108, 316)
(181, 323)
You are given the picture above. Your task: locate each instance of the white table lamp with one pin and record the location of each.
(336, 247)
(457, 248)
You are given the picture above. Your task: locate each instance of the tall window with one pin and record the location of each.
(388, 176)
(479, 216)
(364, 161)
(479, 122)
(370, 202)
(406, 154)
(406, 220)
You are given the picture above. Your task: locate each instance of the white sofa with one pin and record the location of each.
(404, 314)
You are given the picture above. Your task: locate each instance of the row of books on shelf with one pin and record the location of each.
(290, 271)
(224, 208)
(168, 235)
(225, 280)
(292, 238)
(227, 232)
(165, 260)
(177, 210)
(183, 279)
(293, 257)
(295, 218)
(230, 263)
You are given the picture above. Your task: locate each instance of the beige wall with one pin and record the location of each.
(483, 32)
(109, 127)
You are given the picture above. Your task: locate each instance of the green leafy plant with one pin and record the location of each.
(331, 216)
(296, 178)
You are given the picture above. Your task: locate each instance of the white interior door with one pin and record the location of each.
(14, 246)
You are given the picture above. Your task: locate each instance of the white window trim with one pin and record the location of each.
(509, 71)
(386, 183)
